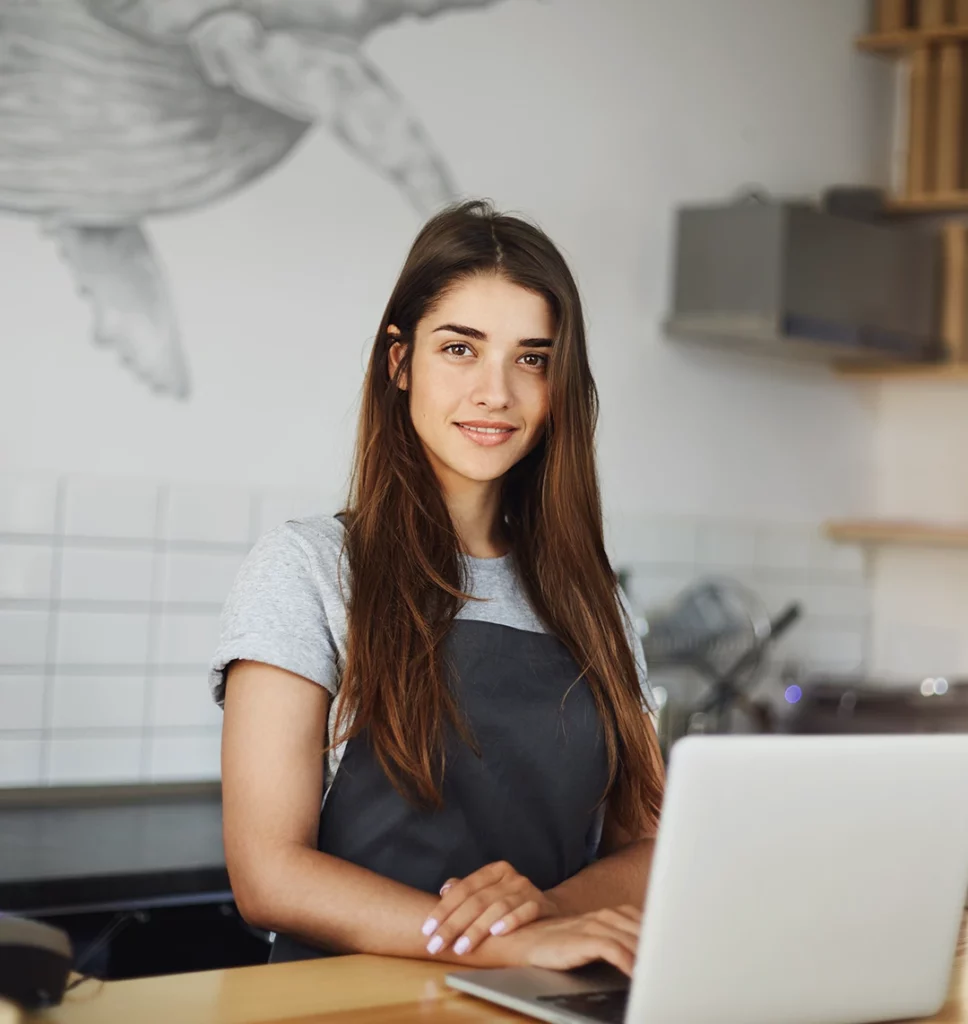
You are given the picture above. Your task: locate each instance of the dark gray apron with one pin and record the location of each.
(528, 800)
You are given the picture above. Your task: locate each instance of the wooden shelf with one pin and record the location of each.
(911, 39)
(952, 372)
(898, 533)
(937, 202)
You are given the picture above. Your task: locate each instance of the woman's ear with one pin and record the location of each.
(394, 355)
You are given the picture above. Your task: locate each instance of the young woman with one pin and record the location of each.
(492, 781)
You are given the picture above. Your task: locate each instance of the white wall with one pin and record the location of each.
(920, 595)
(596, 118)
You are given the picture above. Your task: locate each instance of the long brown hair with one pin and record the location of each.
(407, 574)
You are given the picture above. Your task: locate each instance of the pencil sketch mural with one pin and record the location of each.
(114, 111)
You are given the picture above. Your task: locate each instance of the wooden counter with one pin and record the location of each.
(360, 988)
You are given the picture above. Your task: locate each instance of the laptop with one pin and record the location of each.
(796, 880)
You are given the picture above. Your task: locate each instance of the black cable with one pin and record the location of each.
(106, 934)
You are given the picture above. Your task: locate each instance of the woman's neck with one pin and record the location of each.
(474, 508)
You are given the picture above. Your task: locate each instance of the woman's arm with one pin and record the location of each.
(272, 777)
(618, 877)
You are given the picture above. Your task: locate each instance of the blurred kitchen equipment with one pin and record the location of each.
(721, 629)
(856, 704)
(792, 279)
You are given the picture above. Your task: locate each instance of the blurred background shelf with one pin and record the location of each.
(953, 372)
(937, 202)
(897, 532)
(910, 39)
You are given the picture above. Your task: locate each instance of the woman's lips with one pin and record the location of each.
(483, 438)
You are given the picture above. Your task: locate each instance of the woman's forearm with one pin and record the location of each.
(331, 902)
(616, 879)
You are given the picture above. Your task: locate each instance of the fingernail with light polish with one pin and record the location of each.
(434, 945)
(444, 889)
(497, 927)
(462, 944)
(429, 926)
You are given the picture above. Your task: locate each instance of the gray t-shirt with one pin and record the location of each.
(287, 608)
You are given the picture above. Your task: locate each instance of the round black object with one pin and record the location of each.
(35, 960)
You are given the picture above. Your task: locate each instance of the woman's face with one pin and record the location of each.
(479, 361)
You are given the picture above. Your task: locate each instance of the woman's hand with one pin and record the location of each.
(561, 943)
(494, 900)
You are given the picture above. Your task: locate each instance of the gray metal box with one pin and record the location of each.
(792, 279)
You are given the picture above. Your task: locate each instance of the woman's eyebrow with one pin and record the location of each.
(473, 332)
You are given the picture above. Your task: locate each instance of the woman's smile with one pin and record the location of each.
(485, 433)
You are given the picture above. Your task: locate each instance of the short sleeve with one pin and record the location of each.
(276, 612)
(635, 642)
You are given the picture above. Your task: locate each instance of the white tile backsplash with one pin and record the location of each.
(92, 759)
(23, 636)
(785, 548)
(21, 702)
(837, 649)
(105, 574)
(836, 600)
(183, 701)
(666, 542)
(28, 504)
(649, 587)
(208, 513)
(102, 638)
(98, 702)
(25, 570)
(20, 761)
(192, 756)
(725, 545)
(195, 576)
(132, 595)
(109, 507)
(780, 563)
(848, 560)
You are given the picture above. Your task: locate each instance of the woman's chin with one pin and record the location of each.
(483, 469)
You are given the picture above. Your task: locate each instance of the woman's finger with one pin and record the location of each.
(461, 889)
(606, 931)
(624, 922)
(527, 912)
(497, 914)
(567, 949)
(617, 954)
(455, 925)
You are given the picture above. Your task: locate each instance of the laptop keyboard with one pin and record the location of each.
(608, 1007)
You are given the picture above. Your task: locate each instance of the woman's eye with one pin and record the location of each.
(542, 360)
(453, 345)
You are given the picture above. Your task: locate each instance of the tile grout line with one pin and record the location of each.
(868, 646)
(122, 668)
(116, 543)
(110, 605)
(159, 567)
(50, 663)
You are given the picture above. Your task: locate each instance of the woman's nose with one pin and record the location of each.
(491, 386)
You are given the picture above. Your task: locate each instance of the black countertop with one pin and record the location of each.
(78, 849)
